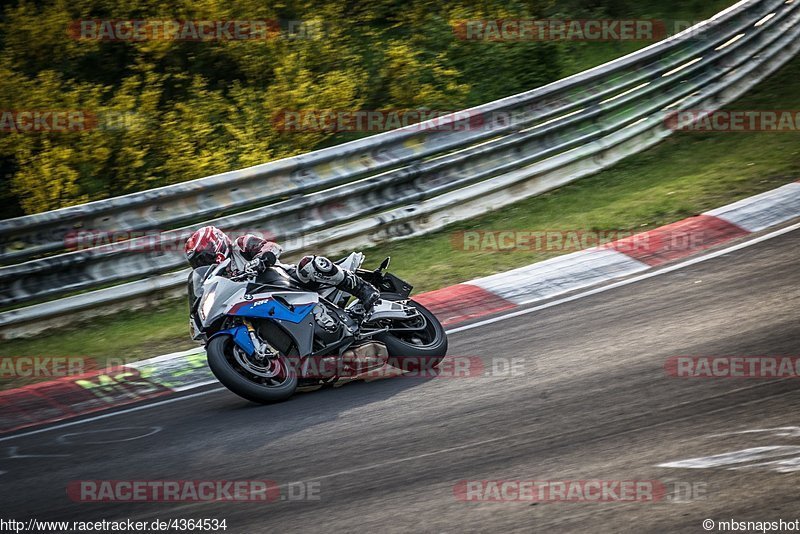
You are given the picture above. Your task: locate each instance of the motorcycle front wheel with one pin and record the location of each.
(244, 378)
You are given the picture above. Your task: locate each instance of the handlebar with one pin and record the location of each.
(243, 276)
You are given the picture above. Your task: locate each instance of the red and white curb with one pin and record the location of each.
(556, 276)
(74, 396)
(763, 211)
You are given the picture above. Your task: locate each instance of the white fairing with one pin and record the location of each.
(352, 262)
(220, 294)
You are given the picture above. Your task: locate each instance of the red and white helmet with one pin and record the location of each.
(207, 246)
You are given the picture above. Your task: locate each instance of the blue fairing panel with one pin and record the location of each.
(240, 336)
(272, 309)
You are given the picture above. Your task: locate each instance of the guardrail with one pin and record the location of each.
(399, 183)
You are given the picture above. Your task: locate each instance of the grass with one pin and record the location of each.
(685, 175)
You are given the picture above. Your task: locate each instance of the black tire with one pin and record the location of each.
(415, 357)
(226, 372)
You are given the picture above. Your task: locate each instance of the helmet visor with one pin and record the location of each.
(201, 258)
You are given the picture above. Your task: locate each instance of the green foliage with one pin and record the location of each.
(170, 111)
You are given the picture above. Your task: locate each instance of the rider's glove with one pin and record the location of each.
(269, 253)
(253, 267)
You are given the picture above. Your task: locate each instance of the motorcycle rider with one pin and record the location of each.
(251, 254)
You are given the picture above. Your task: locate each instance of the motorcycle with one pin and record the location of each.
(266, 335)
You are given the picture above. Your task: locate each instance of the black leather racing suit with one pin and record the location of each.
(313, 272)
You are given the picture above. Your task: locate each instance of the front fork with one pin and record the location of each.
(245, 337)
(262, 350)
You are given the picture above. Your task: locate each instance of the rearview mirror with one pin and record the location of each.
(385, 264)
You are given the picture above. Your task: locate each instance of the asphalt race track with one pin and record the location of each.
(590, 400)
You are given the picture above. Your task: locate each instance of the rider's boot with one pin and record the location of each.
(321, 270)
(365, 292)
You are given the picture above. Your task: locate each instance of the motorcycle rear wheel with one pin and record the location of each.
(420, 350)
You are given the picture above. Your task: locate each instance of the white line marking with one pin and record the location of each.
(12, 454)
(493, 320)
(112, 414)
(64, 439)
(734, 457)
(782, 431)
(787, 465)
